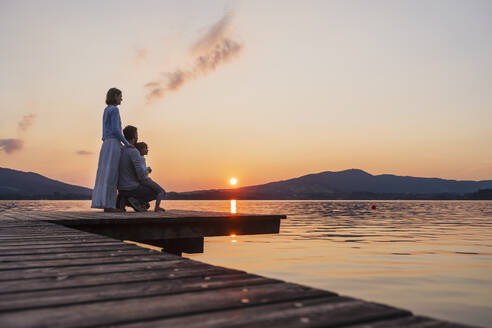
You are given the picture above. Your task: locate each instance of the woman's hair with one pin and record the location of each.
(111, 96)
(129, 132)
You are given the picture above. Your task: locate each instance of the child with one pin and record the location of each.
(147, 181)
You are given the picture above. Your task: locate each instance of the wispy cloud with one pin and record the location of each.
(214, 35)
(83, 152)
(11, 145)
(26, 122)
(140, 54)
(213, 49)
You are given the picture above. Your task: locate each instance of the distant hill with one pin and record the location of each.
(348, 184)
(28, 185)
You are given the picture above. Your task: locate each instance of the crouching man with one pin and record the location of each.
(131, 191)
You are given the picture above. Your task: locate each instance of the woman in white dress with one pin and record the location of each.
(104, 193)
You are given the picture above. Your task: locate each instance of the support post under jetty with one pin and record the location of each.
(55, 273)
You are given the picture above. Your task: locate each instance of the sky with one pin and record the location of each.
(257, 90)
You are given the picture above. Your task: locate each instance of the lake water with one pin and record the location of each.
(431, 257)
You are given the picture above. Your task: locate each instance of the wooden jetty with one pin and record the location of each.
(55, 273)
(176, 231)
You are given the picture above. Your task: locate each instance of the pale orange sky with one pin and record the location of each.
(397, 87)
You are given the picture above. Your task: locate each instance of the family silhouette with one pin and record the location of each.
(122, 177)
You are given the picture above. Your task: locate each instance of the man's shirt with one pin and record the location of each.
(130, 172)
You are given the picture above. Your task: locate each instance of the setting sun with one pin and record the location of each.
(233, 181)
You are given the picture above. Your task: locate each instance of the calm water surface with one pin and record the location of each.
(431, 257)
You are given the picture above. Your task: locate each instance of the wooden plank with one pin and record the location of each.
(33, 225)
(68, 249)
(54, 241)
(59, 245)
(63, 272)
(29, 229)
(55, 235)
(152, 307)
(51, 233)
(13, 216)
(37, 230)
(12, 222)
(173, 213)
(46, 227)
(145, 217)
(171, 271)
(317, 312)
(411, 322)
(21, 216)
(4, 229)
(5, 238)
(24, 265)
(6, 219)
(80, 255)
(24, 224)
(121, 291)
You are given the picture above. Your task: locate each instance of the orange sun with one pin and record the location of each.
(233, 181)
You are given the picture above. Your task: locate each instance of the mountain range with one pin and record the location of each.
(348, 184)
(29, 185)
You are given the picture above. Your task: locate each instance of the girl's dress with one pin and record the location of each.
(104, 193)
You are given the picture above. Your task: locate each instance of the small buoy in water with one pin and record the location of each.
(373, 207)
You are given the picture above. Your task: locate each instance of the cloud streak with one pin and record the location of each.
(11, 145)
(215, 48)
(140, 54)
(26, 122)
(214, 35)
(83, 152)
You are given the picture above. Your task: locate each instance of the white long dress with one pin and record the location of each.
(104, 193)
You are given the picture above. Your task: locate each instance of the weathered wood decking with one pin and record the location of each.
(56, 276)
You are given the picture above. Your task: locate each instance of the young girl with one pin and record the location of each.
(147, 181)
(104, 193)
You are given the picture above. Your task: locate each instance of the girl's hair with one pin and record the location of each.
(140, 146)
(111, 96)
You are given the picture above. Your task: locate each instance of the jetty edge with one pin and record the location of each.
(52, 275)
